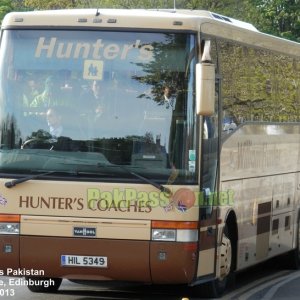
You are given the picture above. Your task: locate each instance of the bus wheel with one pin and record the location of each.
(216, 288)
(225, 257)
(43, 285)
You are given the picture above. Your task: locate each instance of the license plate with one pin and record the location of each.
(83, 261)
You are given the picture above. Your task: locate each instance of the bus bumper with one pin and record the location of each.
(127, 260)
(9, 253)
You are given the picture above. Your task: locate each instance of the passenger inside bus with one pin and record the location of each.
(54, 120)
(169, 99)
(31, 91)
(94, 99)
(51, 96)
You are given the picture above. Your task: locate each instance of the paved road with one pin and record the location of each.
(269, 281)
(70, 290)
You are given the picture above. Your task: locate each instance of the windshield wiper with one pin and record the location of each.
(12, 183)
(157, 185)
(147, 180)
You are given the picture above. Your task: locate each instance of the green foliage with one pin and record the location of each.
(5, 7)
(277, 17)
(50, 4)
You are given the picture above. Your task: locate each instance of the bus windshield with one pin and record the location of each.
(99, 103)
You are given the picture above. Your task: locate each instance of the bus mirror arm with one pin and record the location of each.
(205, 88)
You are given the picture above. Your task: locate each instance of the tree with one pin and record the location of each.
(5, 7)
(50, 4)
(279, 17)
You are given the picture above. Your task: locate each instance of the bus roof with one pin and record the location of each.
(128, 18)
(152, 19)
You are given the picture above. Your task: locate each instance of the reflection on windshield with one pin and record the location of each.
(116, 98)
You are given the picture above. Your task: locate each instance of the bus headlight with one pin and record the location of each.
(9, 228)
(174, 231)
(9, 224)
(164, 235)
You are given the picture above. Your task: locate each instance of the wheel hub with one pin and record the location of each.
(225, 257)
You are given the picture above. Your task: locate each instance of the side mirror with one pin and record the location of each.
(205, 89)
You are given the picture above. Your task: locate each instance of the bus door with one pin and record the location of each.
(209, 127)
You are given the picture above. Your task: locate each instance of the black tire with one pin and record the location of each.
(43, 285)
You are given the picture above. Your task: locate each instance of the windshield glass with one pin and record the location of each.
(99, 103)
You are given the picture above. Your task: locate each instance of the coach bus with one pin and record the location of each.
(151, 146)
